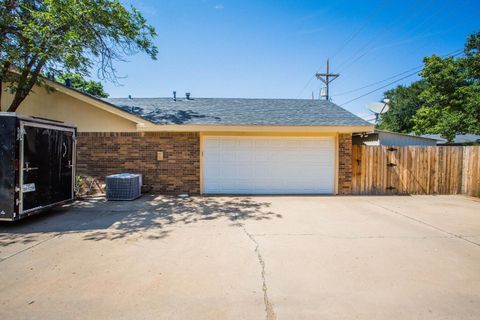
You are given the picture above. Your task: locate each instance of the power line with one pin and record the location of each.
(388, 84)
(384, 86)
(305, 87)
(415, 69)
(346, 42)
(378, 82)
(417, 27)
(359, 30)
(355, 57)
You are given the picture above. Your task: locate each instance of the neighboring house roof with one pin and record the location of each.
(397, 134)
(388, 138)
(230, 111)
(459, 138)
(405, 135)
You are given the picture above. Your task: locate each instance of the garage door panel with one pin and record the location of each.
(268, 165)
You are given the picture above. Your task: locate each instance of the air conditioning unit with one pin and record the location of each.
(123, 186)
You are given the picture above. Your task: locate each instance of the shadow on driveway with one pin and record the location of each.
(152, 217)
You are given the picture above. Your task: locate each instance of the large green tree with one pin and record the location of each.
(53, 36)
(78, 82)
(452, 94)
(404, 103)
(445, 101)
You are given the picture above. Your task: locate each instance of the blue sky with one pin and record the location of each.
(271, 49)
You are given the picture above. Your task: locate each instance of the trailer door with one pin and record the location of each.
(47, 165)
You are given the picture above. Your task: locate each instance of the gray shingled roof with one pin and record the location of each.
(225, 111)
(459, 138)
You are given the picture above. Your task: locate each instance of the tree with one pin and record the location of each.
(404, 103)
(452, 94)
(44, 36)
(91, 87)
(445, 101)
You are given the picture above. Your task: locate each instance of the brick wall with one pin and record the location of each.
(101, 154)
(345, 163)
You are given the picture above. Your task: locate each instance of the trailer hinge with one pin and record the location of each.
(392, 149)
(20, 133)
(391, 188)
(391, 164)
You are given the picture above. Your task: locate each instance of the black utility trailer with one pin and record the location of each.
(37, 164)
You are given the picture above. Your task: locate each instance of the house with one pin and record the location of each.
(208, 146)
(387, 138)
(459, 140)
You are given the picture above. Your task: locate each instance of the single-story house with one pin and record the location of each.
(387, 138)
(459, 140)
(208, 146)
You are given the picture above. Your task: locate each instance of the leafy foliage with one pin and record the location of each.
(446, 101)
(452, 94)
(45, 36)
(80, 83)
(404, 103)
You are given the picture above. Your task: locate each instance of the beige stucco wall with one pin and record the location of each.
(57, 105)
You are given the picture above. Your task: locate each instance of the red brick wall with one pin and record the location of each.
(101, 154)
(345, 163)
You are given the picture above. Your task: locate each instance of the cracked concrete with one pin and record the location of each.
(246, 258)
(269, 312)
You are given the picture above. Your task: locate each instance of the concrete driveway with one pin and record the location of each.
(246, 258)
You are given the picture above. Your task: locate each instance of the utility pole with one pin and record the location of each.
(327, 78)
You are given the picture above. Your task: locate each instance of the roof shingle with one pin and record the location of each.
(229, 111)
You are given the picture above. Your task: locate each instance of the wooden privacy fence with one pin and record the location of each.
(416, 170)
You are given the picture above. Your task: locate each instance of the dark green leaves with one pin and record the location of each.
(93, 88)
(445, 101)
(68, 35)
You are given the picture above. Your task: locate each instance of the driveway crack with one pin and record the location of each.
(270, 314)
(426, 224)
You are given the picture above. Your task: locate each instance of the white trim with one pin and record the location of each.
(103, 105)
(255, 128)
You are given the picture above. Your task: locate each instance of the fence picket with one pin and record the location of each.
(416, 170)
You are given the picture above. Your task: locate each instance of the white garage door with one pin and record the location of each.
(269, 165)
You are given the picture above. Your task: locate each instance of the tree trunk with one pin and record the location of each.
(3, 76)
(1, 90)
(23, 90)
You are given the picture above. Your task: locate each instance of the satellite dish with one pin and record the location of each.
(378, 107)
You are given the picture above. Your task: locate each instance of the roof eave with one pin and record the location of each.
(255, 128)
(99, 103)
